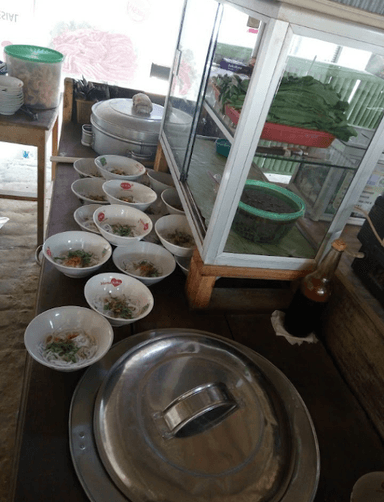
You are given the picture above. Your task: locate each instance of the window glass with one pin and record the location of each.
(115, 42)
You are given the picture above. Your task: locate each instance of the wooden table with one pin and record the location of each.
(20, 129)
(349, 444)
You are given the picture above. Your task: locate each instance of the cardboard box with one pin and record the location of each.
(232, 65)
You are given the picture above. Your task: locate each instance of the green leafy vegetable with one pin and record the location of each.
(65, 350)
(122, 230)
(303, 102)
(232, 91)
(72, 258)
(119, 307)
(308, 103)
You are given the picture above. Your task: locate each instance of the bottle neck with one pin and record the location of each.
(328, 265)
(316, 285)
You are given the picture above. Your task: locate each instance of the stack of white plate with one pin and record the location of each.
(11, 94)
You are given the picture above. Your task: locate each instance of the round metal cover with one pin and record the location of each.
(115, 116)
(191, 416)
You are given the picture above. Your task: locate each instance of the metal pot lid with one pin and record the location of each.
(116, 116)
(192, 416)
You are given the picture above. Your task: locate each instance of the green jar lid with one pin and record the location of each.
(34, 53)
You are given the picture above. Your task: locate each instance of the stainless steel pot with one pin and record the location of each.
(187, 415)
(117, 130)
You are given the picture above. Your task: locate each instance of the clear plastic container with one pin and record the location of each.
(40, 70)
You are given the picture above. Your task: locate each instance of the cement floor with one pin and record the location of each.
(19, 275)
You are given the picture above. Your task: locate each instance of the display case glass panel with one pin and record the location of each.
(189, 67)
(317, 131)
(319, 121)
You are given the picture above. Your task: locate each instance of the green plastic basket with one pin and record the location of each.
(34, 53)
(258, 225)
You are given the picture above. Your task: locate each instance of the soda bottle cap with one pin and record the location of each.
(339, 245)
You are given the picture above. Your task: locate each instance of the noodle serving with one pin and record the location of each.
(143, 268)
(117, 307)
(77, 259)
(121, 229)
(69, 347)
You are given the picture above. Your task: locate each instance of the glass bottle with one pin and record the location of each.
(308, 303)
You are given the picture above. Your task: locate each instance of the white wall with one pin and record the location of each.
(114, 41)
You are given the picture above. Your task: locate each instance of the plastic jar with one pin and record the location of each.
(40, 70)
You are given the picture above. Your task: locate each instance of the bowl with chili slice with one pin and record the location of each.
(129, 193)
(122, 225)
(90, 190)
(68, 338)
(175, 234)
(77, 253)
(118, 297)
(148, 262)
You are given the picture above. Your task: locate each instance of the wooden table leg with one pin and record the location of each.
(160, 163)
(199, 287)
(41, 159)
(55, 146)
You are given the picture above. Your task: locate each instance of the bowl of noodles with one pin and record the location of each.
(90, 190)
(145, 261)
(175, 234)
(172, 201)
(129, 193)
(122, 225)
(118, 297)
(68, 338)
(117, 167)
(159, 181)
(76, 253)
(86, 168)
(84, 217)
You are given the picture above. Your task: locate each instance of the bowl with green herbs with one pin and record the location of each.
(77, 253)
(148, 262)
(121, 299)
(175, 234)
(68, 338)
(122, 225)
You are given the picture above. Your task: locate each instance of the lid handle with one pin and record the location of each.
(197, 410)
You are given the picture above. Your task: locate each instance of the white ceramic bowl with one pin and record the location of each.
(167, 226)
(183, 262)
(120, 287)
(128, 259)
(369, 488)
(172, 201)
(106, 217)
(117, 167)
(86, 168)
(159, 181)
(84, 217)
(90, 190)
(12, 85)
(121, 192)
(60, 244)
(66, 320)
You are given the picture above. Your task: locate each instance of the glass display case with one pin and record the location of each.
(286, 108)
